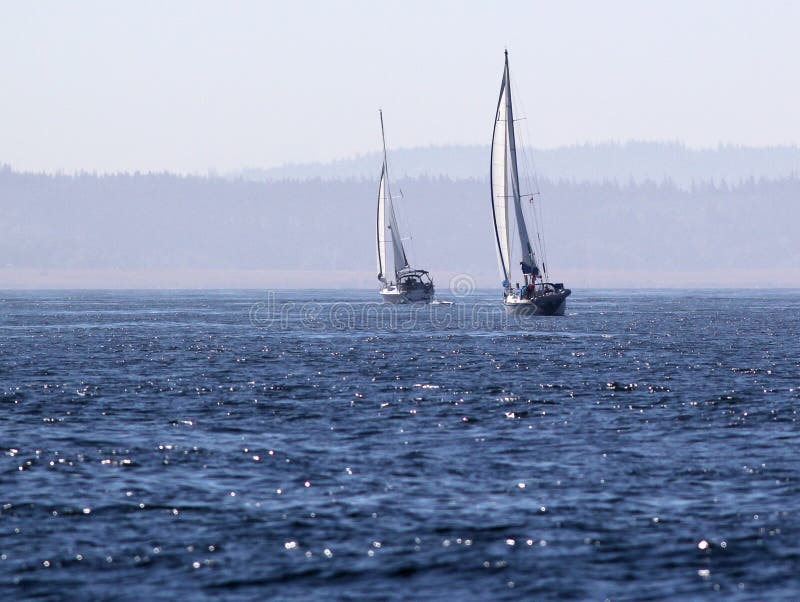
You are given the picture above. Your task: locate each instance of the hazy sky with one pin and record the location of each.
(192, 85)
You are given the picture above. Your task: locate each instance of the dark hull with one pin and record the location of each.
(552, 304)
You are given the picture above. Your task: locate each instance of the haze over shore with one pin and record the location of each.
(715, 218)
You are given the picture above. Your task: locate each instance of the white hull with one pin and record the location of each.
(396, 296)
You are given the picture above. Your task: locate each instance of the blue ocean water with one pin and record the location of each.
(312, 445)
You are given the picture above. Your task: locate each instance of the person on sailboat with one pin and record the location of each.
(529, 292)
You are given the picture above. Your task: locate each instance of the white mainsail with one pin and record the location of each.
(387, 222)
(503, 170)
(381, 230)
(499, 181)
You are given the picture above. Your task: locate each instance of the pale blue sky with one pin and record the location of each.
(191, 85)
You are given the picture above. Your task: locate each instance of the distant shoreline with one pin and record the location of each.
(220, 279)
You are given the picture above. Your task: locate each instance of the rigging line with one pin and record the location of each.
(529, 159)
(537, 211)
(411, 254)
(541, 222)
(532, 181)
(529, 208)
(512, 243)
(543, 241)
(523, 141)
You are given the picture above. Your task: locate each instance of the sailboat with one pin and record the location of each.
(536, 296)
(403, 284)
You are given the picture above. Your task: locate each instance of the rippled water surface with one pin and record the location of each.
(244, 446)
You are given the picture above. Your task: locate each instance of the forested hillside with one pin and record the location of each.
(162, 221)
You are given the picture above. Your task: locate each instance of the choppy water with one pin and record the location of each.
(233, 445)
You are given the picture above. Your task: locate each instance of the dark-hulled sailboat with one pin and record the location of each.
(535, 295)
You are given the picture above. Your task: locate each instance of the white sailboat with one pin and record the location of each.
(408, 285)
(536, 296)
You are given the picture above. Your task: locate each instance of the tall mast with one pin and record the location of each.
(528, 262)
(383, 139)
